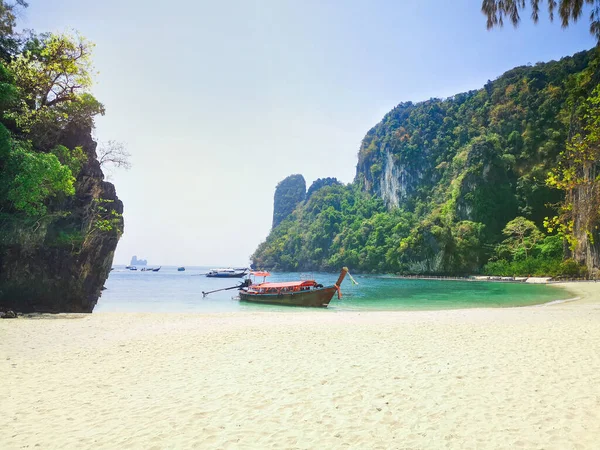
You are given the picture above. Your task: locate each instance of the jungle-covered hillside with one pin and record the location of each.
(500, 179)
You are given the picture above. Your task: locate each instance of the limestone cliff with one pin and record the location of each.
(60, 264)
(438, 181)
(288, 193)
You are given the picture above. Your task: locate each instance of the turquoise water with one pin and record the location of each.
(172, 291)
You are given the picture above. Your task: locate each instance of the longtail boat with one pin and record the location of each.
(293, 293)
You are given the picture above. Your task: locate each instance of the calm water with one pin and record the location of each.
(172, 291)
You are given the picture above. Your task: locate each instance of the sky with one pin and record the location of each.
(218, 101)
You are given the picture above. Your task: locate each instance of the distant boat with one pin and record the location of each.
(156, 270)
(227, 273)
(131, 267)
(181, 269)
(291, 293)
(149, 269)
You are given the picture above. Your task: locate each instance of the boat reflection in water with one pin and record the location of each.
(292, 293)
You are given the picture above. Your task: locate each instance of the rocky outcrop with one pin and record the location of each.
(587, 247)
(288, 193)
(59, 263)
(321, 183)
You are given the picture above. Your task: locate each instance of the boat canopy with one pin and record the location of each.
(260, 274)
(287, 284)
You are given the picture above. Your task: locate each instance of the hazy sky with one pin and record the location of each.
(217, 101)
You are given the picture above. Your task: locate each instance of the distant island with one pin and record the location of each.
(138, 262)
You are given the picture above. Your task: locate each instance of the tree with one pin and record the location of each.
(53, 71)
(9, 41)
(29, 179)
(522, 234)
(8, 15)
(114, 153)
(53, 76)
(568, 10)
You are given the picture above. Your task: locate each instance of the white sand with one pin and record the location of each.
(489, 378)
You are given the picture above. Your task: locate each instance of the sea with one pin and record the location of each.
(171, 291)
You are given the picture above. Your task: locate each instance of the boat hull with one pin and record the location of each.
(225, 275)
(316, 298)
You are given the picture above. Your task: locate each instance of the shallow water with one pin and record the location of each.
(172, 291)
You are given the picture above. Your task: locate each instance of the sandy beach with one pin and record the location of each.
(482, 378)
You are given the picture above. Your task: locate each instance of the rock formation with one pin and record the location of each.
(321, 183)
(39, 270)
(288, 193)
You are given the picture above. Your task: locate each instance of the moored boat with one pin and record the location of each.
(227, 273)
(292, 293)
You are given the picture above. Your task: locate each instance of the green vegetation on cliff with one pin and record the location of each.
(44, 84)
(438, 181)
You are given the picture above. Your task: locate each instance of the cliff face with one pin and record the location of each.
(481, 156)
(382, 171)
(288, 193)
(60, 264)
(291, 191)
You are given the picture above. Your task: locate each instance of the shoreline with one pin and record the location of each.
(519, 377)
(562, 285)
(488, 278)
(587, 291)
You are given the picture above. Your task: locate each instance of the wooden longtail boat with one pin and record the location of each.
(292, 293)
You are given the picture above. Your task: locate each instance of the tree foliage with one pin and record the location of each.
(53, 70)
(44, 95)
(73, 159)
(9, 40)
(521, 235)
(321, 183)
(569, 12)
(30, 178)
(53, 76)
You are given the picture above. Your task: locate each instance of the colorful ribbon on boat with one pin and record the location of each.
(352, 279)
